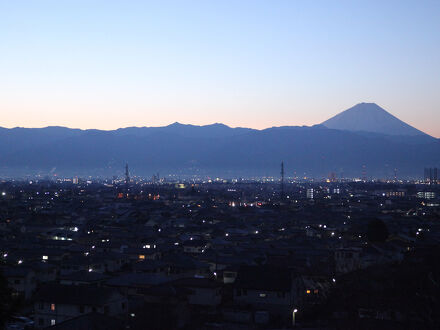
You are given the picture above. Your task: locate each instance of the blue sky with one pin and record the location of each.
(110, 64)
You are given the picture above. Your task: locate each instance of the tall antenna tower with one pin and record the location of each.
(282, 181)
(127, 175)
(364, 173)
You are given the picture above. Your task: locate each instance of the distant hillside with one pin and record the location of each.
(207, 131)
(219, 150)
(369, 117)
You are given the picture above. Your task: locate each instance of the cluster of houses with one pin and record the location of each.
(205, 256)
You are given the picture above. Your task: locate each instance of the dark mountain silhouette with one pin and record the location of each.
(369, 117)
(207, 131)
(214, 150)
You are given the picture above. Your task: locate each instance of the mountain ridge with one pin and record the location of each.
(362, 117)
(214, 149)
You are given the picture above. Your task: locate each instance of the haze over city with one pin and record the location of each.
(257, 64)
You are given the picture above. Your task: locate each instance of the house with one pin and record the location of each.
(98, 262)
(44, 272)
(229, 275)
(131, 283)
(56, 303)
(312, 290)
(195, 246)
(83, 278)
(268, 288)
(95, 321)
(21, 280)
(150, 266)
(347, 259)
(183, 265)
(202, 291)
(165, 307)
(141, 254)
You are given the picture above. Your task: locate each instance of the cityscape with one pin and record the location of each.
(277, 252)
(219, 165)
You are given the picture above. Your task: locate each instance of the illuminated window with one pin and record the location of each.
(52, 307)
(308, 291)
(45, 257)
(262, 295)
(141, 256)
(52, 322)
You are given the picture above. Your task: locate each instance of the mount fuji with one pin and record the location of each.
(369, 117)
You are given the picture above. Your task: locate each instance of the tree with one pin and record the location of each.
(377, 231)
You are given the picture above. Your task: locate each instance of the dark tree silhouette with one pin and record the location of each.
(377, 231)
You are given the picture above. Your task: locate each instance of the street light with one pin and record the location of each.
(293, 316)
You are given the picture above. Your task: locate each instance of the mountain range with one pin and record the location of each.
(364, 136)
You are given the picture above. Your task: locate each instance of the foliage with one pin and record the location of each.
(377, 231)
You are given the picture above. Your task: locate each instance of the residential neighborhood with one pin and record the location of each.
(214, 254)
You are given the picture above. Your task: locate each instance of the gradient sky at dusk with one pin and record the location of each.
(109, 64)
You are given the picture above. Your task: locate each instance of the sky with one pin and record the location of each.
(110, 64)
